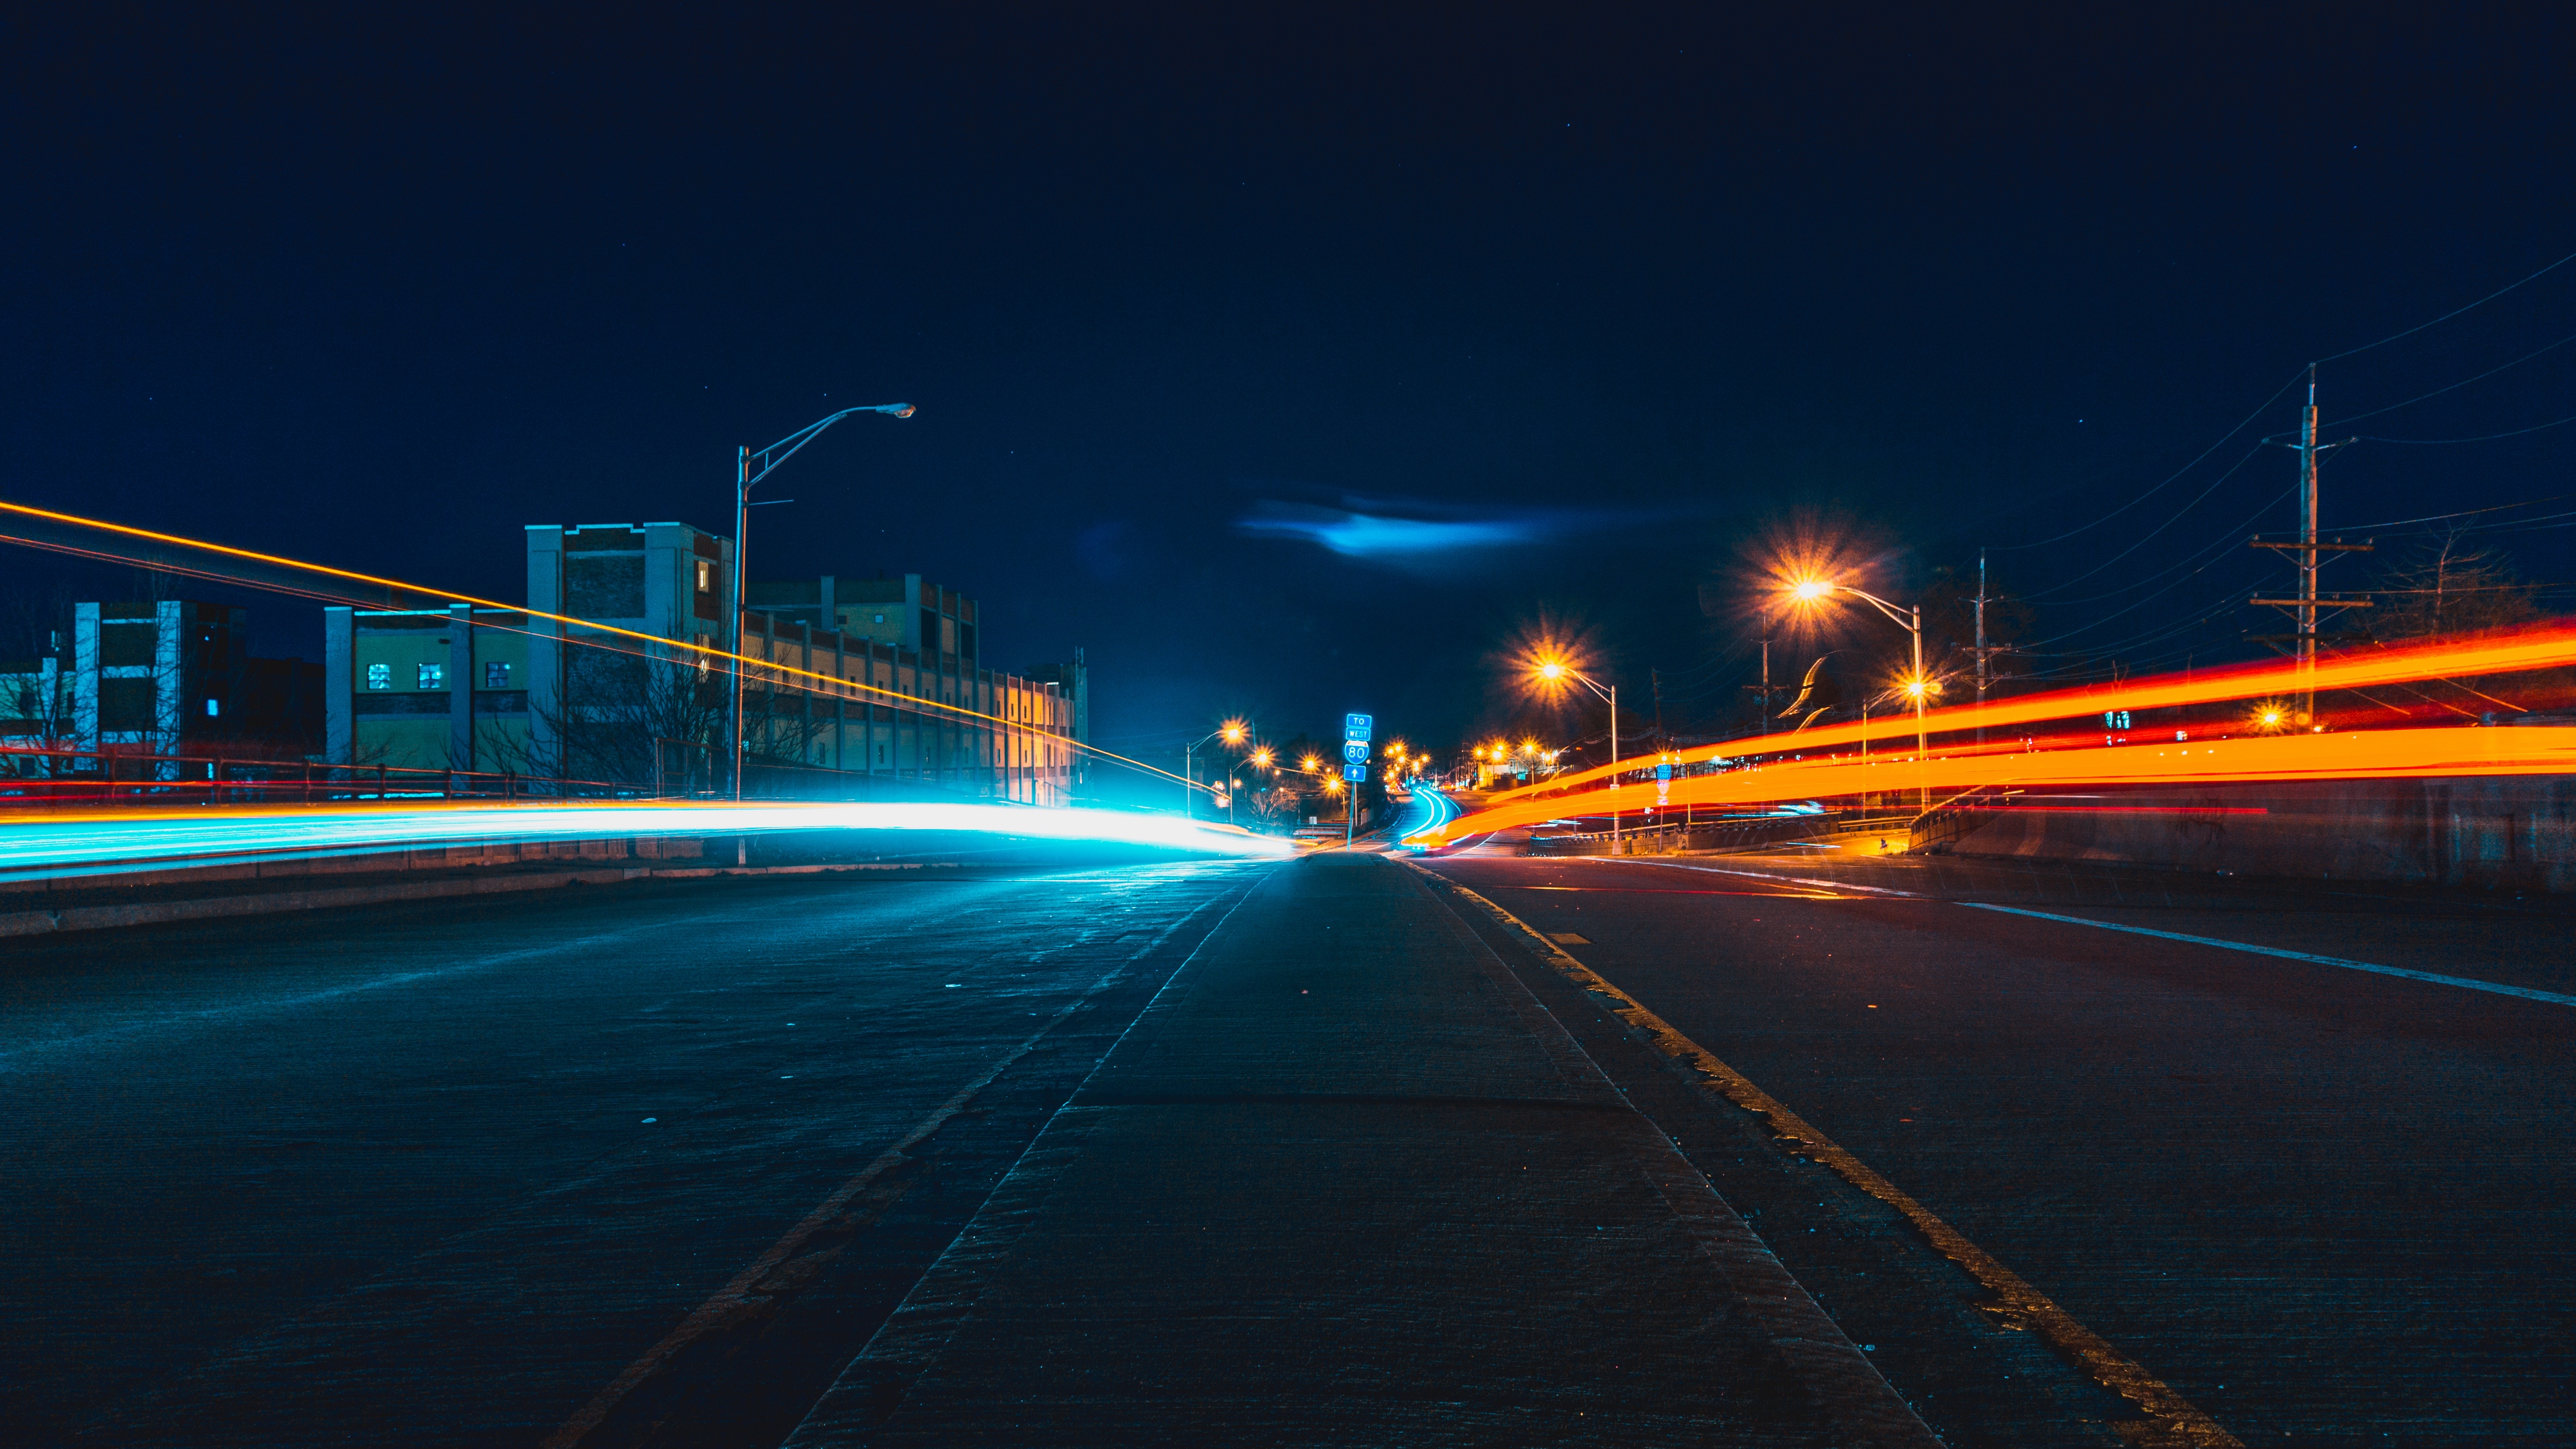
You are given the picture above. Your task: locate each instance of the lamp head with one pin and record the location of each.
(1807, 591)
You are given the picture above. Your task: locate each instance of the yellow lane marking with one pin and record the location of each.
(2173, 1422)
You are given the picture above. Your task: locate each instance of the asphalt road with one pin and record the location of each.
(2324, 1205)
(441, 1175)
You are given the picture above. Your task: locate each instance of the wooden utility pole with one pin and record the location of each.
(2306, 609)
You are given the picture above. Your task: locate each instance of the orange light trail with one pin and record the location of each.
(2349, 755)
(2544, 648)
(678, 646)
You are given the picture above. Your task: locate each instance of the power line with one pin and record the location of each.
(2169, 588)
(2447, 316)
(2481, 438)
(2453, 387)
(2177, 473)
(2149, 536)
(2463, 513)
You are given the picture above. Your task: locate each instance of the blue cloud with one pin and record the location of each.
(1404, 532)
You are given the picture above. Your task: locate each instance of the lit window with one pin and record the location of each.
(433, 676)
(706, 577)
(380, 676)
(214, 709)
(880, 618)
(496, 674)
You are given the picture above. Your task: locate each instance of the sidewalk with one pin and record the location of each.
(1346, 1182)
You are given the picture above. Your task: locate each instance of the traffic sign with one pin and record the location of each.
(1355, 751)
(1356, 726)
(1354, 772)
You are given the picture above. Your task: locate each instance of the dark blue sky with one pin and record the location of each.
(1545, 314)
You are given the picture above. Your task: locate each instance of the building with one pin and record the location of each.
(1006, 736)
(434, 689)
(166, 677)
(508, 691)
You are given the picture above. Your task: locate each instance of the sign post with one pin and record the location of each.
(1355, 753)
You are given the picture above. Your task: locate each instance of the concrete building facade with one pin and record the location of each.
(498, 690)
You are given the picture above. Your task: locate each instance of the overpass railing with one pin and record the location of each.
(36, 779)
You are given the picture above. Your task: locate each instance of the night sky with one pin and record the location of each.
(1305, 365)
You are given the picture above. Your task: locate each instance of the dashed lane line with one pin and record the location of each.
(2470, 983)
(2173, 1422)
(744, 1292)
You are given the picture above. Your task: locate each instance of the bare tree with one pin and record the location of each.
(2451, 585)
(613, 709)
(628, 719)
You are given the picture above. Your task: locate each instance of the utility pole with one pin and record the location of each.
(1984, 651)
(1656, 678)
(2305, 609)
(1763, 690)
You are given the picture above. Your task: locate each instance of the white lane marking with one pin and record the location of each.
(736, 1296)
(1831, 885)
(2498, 988)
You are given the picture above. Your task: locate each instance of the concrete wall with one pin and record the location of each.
(2513, 832)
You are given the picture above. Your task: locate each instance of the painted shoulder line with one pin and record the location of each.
(2172, 1422)
(2500, 989)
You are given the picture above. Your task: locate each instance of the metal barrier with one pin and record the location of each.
(1744, 833)
(1935, 828)
(56, 779)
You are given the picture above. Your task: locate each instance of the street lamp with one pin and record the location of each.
(1232, 731)
(1552, 674)
(744, 481)
(1917, 686)
(1259, 759)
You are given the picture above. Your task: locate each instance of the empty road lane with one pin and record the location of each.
(2326, 1205)
(461, 1174)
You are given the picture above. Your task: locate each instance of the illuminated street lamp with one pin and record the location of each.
(744, 481)
(1552, 674)
(1917, 685)
(1259, 759)
(1232, 732)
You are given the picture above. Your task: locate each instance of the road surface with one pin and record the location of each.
(2326, 1205)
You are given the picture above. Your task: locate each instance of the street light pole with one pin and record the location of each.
(1234, 730)
(1552, 669)
(1911, 621)
(744, 481)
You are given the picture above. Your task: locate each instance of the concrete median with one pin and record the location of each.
(1347, 1180)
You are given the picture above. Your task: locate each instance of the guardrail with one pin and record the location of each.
(36, 778)
(1955, 817)
(33, 778)
(1738, 834)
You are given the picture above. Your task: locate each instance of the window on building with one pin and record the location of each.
(496, 674)
(433, 676)
(214, 709)
(380, 676)
(706, 577)
(880, 618)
